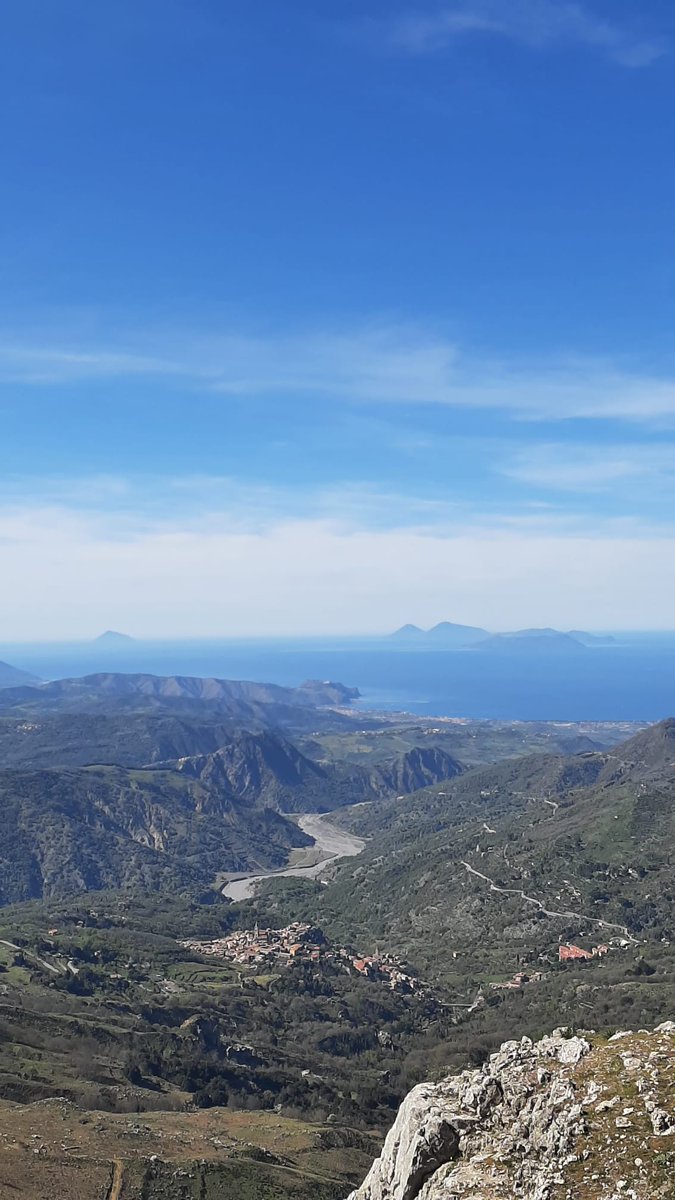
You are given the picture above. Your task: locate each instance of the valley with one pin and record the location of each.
(236, 927)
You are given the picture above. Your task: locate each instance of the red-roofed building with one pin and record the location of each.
(573, 954)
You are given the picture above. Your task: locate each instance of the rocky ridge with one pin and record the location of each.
(565, 1118)
(268, 770)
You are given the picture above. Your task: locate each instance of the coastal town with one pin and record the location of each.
(301, 943)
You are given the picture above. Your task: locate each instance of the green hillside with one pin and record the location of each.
(501, 864)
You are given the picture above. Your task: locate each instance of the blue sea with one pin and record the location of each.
(633, 680)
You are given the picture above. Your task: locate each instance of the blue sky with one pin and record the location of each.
(327, 316)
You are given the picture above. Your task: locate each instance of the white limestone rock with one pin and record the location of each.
(513, 1129)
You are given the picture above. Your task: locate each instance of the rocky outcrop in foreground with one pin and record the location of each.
(566, 1118)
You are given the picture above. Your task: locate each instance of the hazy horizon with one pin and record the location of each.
(336, 635)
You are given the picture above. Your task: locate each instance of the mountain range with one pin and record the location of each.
(102, 800)
(117, 692)
(118, 769)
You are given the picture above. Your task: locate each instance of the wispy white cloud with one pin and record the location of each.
(372, 362)
(134, 505)
(126, 506)
(376, 364)
(581, 468)
(38, 364)
(538, 24)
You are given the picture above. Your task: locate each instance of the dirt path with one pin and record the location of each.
(330, 842)
(549, 912)
(115, 1189)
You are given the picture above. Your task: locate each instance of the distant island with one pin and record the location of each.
(450, 636)
(112, 638)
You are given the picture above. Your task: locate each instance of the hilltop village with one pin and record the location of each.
(300, 943)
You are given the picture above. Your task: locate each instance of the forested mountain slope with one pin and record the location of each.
(274, 771)
(180, 823)
(105, 827)
(126, 740)
(504, 862)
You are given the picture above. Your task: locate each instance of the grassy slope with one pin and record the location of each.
(56, 1149)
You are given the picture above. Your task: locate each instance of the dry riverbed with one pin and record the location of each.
(330, 843)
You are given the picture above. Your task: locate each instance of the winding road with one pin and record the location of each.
(29, 954)
(330, 843)
(549, 912)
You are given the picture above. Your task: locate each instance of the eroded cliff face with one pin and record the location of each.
(566, 1118)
